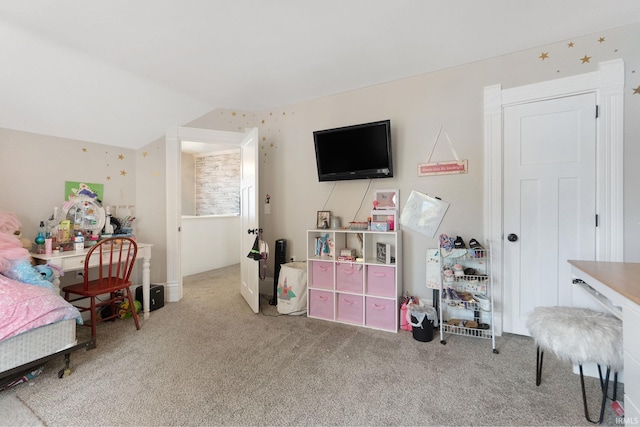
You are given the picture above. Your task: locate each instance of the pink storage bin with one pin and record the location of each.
(349, 277)
(321, 275)
(380, 313)
(321, 304)
(381, 280)
(350, 308)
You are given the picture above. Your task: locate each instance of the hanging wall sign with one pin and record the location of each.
(442, 168)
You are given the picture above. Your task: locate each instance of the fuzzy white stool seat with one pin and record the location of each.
(579, 335)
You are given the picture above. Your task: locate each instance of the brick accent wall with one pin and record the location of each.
(218, 184)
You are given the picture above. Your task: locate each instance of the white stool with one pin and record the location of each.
(579, 335)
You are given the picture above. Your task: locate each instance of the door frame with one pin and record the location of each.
(173, 140)
(608, 85)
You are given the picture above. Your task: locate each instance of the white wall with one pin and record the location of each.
(209, 242)
(417, 107)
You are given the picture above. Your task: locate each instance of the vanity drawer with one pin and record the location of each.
(630, 338)
(321, 275)
(349, 277)
(350, 308)
(76, 262)
(381, 281)
(321, 304)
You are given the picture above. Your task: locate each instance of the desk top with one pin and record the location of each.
(622, 277)
(69, 254)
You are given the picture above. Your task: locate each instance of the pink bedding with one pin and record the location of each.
(24, 307)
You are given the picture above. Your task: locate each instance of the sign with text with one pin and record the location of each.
(442, 168)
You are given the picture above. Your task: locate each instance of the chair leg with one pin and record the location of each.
(539, 358)
(604, 386)
(132, 307)
(94, 318)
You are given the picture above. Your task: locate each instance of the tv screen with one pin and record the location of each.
(354, 152)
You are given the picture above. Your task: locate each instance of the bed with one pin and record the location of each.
(36, 325)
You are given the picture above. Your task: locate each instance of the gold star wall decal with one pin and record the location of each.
(108, 177)
(601, 40)
(145, 154)
(120, 156)
(262, 121)
(123, 172)
(544, 55)
(636, 91)
(84, 149)
(570, 44)
(585, 59)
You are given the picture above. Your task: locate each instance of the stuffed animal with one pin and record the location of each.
(15, 260)
(46, 270)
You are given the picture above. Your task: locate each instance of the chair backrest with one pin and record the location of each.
(114, 258)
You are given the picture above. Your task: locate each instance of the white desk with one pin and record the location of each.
(74, 260)
(616, 285)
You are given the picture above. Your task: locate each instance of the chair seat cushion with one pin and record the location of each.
(578, 335)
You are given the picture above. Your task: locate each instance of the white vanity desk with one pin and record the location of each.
(616, 286)
(74, 260)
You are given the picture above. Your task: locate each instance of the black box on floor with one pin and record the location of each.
(156, 296)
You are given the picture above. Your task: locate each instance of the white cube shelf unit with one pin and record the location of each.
(364, 291)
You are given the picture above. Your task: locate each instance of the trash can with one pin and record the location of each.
(292, 288)
(423, 320)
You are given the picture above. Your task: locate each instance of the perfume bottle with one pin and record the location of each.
(40, 239)
(40, 236)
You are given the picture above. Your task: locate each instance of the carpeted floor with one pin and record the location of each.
(208, 360)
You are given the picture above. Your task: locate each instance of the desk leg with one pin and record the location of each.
(146, 286)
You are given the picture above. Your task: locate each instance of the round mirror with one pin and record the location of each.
(84, 213)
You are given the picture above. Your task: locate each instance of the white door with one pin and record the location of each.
(549, 202)
(249, 268)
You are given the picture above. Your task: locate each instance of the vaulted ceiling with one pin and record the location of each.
(123, 72)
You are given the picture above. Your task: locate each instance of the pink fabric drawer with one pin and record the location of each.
(381, 281)
(321, 304)
(321, 275)
(349, 277)
(350, 308)
(380, 313)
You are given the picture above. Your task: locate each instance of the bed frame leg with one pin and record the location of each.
(66, 371)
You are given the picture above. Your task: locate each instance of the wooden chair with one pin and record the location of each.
(113, 258)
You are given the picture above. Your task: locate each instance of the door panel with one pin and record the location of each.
(249, 268)
(549, 201)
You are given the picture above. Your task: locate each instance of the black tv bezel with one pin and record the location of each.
(356, 174)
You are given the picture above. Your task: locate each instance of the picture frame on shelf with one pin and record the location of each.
(386, 200)
(383, 252)
(323, 220)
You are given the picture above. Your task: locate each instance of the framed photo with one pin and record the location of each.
(386, 199)
(324, 220)
(383, 252)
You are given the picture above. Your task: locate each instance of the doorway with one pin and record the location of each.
(174, 141)
(607, 85)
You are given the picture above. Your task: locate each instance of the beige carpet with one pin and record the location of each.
(208, 360)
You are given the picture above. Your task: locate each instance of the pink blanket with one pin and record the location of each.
(24, 307)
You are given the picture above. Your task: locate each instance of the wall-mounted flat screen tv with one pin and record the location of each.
(354, 152)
